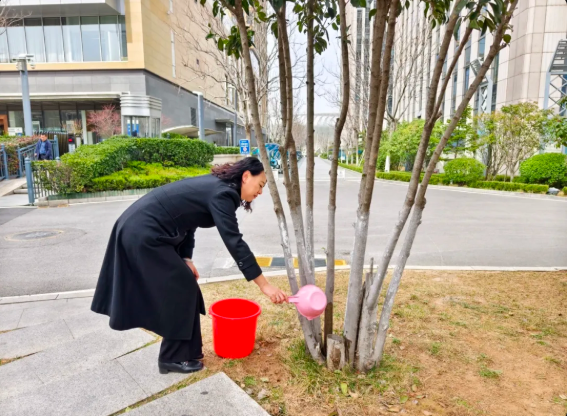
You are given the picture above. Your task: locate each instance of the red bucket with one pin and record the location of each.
(234, 327)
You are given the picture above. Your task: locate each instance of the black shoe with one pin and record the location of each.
(185, 367)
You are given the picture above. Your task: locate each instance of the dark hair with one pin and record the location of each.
(231, 173)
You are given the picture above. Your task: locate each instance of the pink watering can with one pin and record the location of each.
(310, 301)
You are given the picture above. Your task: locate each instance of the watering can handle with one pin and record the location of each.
(293, 299)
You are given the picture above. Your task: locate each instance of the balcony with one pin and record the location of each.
(47, 8)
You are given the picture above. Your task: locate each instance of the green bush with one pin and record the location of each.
(510, 186)
(565, 191)
(11, 145)
(227, 150)
(140, 175)
(78, 170)
(175, 136)
(548, 168)
(324, 156)
(181, 152)
(464, 170)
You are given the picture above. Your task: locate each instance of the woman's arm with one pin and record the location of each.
(275, 294)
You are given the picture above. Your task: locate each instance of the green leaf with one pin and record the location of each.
(220, 44)
(457, 27)
(335, 26)
(404, 399)
(358, 3)
(344, 388)
(372, 13)
(332, 13)
(274, 28)
(507, 38)
(277, 4)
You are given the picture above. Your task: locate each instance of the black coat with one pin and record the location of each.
(144, 282)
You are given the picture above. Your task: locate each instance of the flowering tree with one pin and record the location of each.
(106, 122)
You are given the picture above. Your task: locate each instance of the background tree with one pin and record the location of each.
(463, 138)
(105, 122)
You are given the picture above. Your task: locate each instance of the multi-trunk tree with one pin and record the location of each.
(364, 334)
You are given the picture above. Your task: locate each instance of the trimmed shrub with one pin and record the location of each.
(227, 150)
(436, 178)
(510, 186)
(140, 175)
(181, 152)
(324, 156)
(464, 170)
(565, 191)
(78, 170)
(548, 168)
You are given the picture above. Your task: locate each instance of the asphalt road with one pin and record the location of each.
(460, 228)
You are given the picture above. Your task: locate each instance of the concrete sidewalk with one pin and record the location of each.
(59, 358)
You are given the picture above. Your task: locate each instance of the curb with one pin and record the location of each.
(207, 280)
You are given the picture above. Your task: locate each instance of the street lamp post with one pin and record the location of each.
(22, 65)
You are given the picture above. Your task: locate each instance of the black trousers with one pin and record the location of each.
(179, 350)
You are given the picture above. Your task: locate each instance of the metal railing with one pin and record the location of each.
(3, 163)
(36, 188)
(29, 152)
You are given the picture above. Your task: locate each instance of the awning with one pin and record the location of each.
(190, 131)
(228, 121)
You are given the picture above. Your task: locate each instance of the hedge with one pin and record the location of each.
(547, 168)
(436, 178)
(78, 170)
(227, 150)
(141, 175)
(510, 186)
(464, 170)
(565, 191)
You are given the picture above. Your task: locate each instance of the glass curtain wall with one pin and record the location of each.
(66, 39)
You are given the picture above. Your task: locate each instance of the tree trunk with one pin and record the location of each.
(354, 297)
(307, 273)
(330, 283)
(336, 357)
(369, 312)
(382, 7)
(310, 156)
(367, 329)
(310, 338)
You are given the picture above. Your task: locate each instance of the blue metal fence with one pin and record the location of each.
(29, 152)
(3, 163)
(36, 187)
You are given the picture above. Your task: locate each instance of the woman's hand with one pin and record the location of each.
(191, 265)
(276, 295)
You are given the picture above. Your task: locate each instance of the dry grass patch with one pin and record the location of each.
(461, 343)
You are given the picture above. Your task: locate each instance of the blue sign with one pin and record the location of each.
(244, 147)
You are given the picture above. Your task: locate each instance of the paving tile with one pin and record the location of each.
(102, 391)
(53, 312)
(85, 353)
(9, 319)
(26, 305)
(25, 341)
(86, 322)
(214, 396)
(16, 378)
(143, 367)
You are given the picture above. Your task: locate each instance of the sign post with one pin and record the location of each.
(244, 147)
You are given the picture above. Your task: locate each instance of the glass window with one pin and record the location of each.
(454, 92)
(123, 40)
(91, 38)
(72, 39)
(52, 119)
(34, 39)
(110, 38)
(467, 78)
(4, 54)
(481, 46)
(53, 39)
(16, 38)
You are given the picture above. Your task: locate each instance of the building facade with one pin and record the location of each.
(127, 53)
(520, 72)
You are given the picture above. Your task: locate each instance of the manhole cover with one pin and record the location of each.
(34, 235)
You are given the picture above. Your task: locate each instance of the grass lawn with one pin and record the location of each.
(461, 343)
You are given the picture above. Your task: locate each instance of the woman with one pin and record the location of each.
(148, 279)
